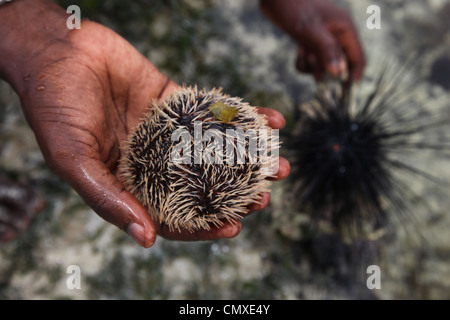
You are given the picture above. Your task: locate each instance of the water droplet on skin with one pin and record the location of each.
(27, 77)
(40, 88)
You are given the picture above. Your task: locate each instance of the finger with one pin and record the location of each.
(275, 119)
(283, 172)
(262, 203)
(108, 198)
(284, 168)
(348, 39)
(325, 46)
(227, 230)
(306, 61)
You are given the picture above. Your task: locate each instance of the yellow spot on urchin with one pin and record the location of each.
(223, 112)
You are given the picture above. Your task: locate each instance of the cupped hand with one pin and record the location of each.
(327, 39)
(83, 97)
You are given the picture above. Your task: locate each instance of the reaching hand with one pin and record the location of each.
(326, 37)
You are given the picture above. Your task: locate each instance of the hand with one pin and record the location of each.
(82, 96)
(326, 37)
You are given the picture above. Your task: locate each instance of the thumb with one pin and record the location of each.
(106, 195)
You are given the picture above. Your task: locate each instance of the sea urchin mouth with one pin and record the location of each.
(171, 162)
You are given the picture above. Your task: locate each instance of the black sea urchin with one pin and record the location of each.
(344, 156)
(197, 158)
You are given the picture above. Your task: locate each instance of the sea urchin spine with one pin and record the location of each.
(173, 161)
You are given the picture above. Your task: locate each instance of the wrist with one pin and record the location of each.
(30, 31)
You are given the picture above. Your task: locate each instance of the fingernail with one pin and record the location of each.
(136, 231)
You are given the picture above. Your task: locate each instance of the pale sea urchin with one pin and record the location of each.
(179, 164)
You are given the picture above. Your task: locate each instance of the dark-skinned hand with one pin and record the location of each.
(325, 34)
(81, 95)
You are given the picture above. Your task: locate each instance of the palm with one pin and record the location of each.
(82, 107)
